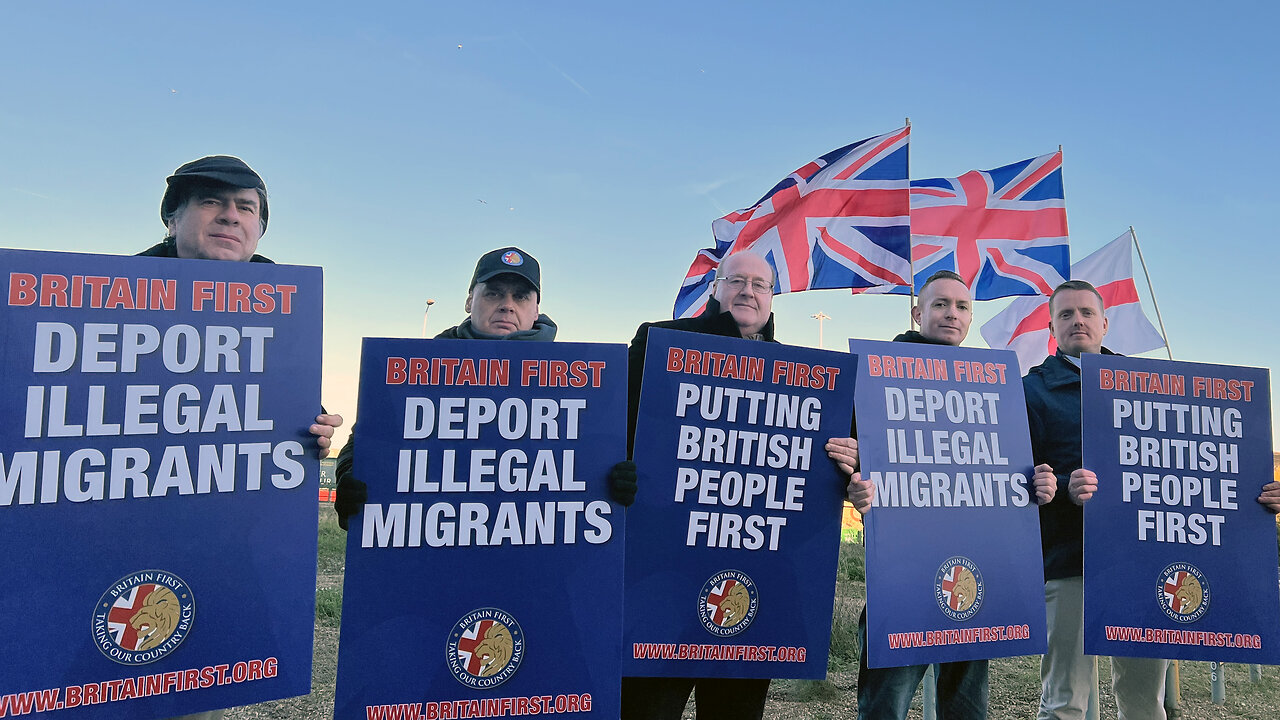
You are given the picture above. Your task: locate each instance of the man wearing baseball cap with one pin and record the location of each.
(502, 304)
(502, 300)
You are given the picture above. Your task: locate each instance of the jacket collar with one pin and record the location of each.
(1058, 371)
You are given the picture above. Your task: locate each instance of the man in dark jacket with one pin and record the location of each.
(215, 208)
(944, 312)
(740, 306)
(502, 304)
(1078, 323)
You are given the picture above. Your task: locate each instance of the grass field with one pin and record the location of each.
(1015, 682)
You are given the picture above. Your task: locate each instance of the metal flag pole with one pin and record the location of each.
(1154, 304)
(911, 256)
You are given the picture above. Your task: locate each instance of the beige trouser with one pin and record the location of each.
(1068, 676)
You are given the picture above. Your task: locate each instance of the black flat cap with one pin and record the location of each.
(215, 169)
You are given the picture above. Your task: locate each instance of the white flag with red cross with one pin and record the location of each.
(1024, 326)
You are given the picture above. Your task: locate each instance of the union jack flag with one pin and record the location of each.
(841, 221)
(1004, 231)
(122, 612)
(949, 581)
(1171, 586)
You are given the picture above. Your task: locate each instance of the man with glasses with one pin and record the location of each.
(740, 306)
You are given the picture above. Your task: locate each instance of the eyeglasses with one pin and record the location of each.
(736, 283)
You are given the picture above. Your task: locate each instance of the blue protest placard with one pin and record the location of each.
(733, 538)
(1179, 557)
(484, 576)
(953, 537)
(157, 483)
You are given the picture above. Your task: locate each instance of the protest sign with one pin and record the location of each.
(1179, 557)
(733, 539)
(157, 483)
(484, 575)
(953, 537)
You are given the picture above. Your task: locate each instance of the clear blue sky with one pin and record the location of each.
(399, 141)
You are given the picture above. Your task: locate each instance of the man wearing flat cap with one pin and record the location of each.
(215, 208)
(502, 304)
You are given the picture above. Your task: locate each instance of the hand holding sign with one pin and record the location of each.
(1271, 496)
(862, 493)
(1045, 483)
(1082, 485)
(323, 430)
(844, 452)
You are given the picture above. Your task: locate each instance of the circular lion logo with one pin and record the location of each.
(727, 603)
(143, 616)
(958, 588)
(485, 648)
(1183, 592)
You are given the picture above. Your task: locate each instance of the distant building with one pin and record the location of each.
(329, 473)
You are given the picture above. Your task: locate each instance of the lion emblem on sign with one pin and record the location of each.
(494, 650)
(485, 648)
(1183, 592)
(727, 603)
(156, 620)
(958, 588)
(734, 606)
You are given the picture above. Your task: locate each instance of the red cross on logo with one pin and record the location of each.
(716, 597)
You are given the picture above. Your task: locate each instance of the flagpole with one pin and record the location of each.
(911, 260)
(1154, 304)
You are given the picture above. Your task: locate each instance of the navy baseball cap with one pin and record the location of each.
(507, 261)
(216, 170)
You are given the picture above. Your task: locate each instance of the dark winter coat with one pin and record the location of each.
(169, 248)
(1053, 415)
(712, 321)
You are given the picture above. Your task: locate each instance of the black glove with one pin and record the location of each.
(622, 483)
(352, 495)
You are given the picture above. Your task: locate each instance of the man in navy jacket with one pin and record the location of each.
(1078, 323)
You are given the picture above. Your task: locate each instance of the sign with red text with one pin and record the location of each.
(1179, 557)
(953, 537)
(157, 483)
(733, 538)
(484, 576)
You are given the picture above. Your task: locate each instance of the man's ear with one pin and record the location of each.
(466, 307)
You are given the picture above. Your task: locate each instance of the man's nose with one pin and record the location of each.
(229, 214)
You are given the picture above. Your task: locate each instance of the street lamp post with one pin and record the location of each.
(820, 317)
(427, 309)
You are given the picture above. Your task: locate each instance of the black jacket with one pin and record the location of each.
(168, 248)
(914, 336)
(712, 321)
(1053, 415)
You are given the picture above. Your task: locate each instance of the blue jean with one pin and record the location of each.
(885, 693)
